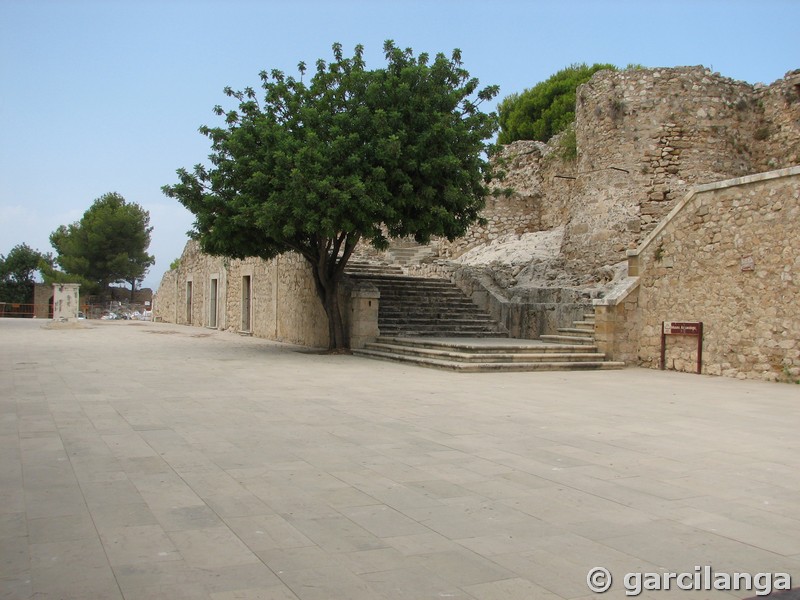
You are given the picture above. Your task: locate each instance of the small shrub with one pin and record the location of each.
(616, 109)
(761, 134)
(658, 255)
(568, 146)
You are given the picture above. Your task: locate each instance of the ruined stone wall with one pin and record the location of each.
(778, 124)
(284, 304)
(727, 257)
(166, 297)
(645, 137)
(523, 199)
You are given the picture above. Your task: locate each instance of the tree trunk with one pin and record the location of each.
(336, 334)
(328, 293)
(327, 265)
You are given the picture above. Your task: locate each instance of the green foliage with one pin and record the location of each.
(175, 264)
(317, 166)
(547, 108)
(108, 245)
(18, 273)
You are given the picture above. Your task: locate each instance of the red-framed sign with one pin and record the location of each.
(694, 328)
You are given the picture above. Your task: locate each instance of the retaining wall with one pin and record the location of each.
(728, 255)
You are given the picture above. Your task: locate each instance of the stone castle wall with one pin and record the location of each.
(523, 200)
(779, 123)
(645, 137)
(727, 257)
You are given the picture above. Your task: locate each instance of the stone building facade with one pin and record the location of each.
(273, 299)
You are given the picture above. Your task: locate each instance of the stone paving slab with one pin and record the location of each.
(148, 460)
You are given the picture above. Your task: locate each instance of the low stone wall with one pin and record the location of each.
(617, 318)
(282, 300)
(726, 256)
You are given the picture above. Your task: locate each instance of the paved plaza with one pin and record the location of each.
(155, 461)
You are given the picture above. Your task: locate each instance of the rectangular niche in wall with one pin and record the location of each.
(247, 303)
(213, 305)
(189, 302)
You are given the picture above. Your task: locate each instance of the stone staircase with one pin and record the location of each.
(406, 255)
(430, 323)
(581, 332)
(421, 306)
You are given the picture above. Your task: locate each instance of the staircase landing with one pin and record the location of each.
(487, 354)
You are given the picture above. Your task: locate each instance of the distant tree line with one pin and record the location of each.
(108, 245)
(18, 273)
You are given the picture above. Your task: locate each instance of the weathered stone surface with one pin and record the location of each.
(741, 283)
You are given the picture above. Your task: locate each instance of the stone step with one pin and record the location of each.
(567, 339)
(465, 367)
(527, 354)
(420, 292)
(366, 272)
(572, 331)
(428, 322)
(465, 319)
(501, 345)
(442, 330)
(388, 291)
(420, 306)
(427, 303)
(431, 311)
(389, 278)
(376, 268)
(410, 254)
(444, 333)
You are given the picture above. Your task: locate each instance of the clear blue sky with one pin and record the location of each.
(106, 96)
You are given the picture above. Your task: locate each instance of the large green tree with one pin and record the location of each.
(349, 155)
(547, 108)
(108, 245)
(18, 273)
